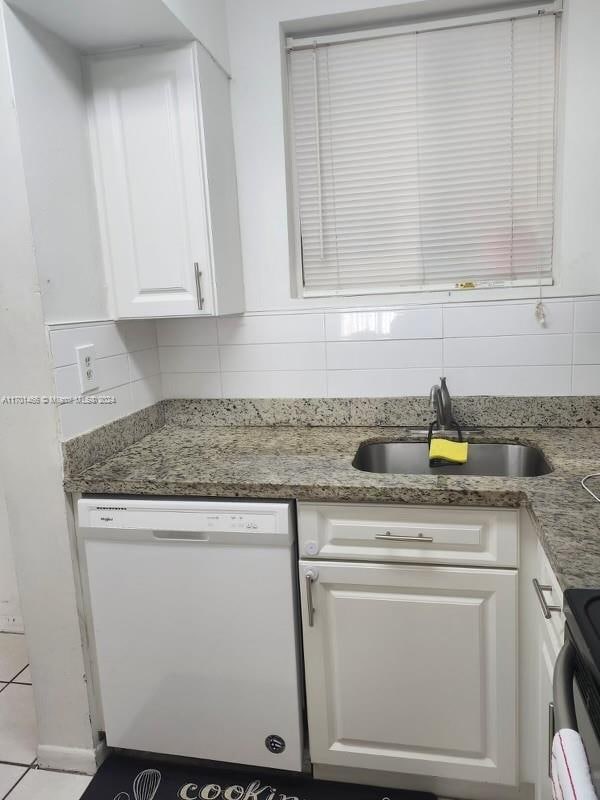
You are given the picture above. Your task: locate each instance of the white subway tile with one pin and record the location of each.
(112, 371)
(496, 348)
(191, 385)
(144, 363)
(586, 379)
(145, 392)
(508, 350)
(510, 381)
(138, 334)
(109, 339)
(78, 418)
(271, 328)
(309, 383)
(508, 319)
(385, 354)
(381, 382)
(272, 357)
(414, 323)
(586, 349)
(189, 359)
(202, 331)
(587, 316)
(105, 338)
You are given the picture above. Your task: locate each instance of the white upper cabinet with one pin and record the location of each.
(165, 175)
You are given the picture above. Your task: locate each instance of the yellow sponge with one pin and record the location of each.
(444, 450)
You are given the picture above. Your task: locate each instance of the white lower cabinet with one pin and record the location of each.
(549, 632)
(412, 669)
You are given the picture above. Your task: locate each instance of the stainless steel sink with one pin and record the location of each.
(411, 458)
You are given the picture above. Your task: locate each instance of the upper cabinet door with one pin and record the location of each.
(148, 140)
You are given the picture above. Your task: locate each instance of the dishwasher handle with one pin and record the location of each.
(180, 536)
(202, 536)
(562, 689)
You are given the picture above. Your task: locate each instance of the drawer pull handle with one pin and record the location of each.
(310, 576)
(388, 536)
(540, 588)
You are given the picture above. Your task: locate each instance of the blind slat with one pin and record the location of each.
(426, 159)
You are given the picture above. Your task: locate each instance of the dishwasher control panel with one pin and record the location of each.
(182, 515)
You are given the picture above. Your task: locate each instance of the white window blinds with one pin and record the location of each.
(425, 160)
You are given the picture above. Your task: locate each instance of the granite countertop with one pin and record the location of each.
(315, 463)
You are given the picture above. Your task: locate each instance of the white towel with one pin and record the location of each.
(571, 779)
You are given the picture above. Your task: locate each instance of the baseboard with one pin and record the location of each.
(72, 759)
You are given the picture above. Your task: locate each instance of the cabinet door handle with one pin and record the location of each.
(396, 537)
(540, 588)
(310, 576)
(198, 276)
(550, 736)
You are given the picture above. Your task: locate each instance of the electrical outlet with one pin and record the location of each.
(86, 364)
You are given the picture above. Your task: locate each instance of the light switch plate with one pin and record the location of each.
(86, 364)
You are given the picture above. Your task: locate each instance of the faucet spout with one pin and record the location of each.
(448, 417)
(435, 401)
(441, 405)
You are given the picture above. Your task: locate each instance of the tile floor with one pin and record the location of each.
(20, 778)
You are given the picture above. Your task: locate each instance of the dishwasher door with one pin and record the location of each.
(193, 610)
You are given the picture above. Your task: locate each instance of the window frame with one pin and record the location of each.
(302, 41)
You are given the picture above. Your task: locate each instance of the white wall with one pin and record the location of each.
(578, 207)
(10, 611)
(54, 134)
(497, 349)
(31, 474)
(127, 368)
(258, 112)
(112, 24)
(207, 20)
(386, 349)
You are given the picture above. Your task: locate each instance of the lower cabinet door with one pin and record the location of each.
(412, 668)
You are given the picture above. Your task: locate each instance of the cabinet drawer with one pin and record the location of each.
(424, 534)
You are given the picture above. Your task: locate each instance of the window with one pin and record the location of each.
(424, 157)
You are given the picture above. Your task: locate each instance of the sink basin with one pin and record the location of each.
(411, 458)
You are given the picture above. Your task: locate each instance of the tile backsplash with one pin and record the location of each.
(127, 367)
(495, 348)
(483, 349)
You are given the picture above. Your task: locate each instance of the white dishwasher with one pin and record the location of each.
(194, 627)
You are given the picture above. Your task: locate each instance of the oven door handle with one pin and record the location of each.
(562, 689)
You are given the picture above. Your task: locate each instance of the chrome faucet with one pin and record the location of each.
(441, 405)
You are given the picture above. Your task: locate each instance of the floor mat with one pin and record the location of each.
(124, 778)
